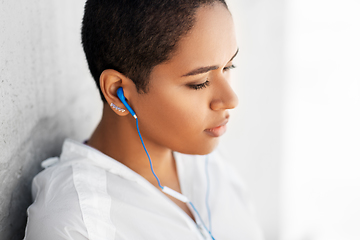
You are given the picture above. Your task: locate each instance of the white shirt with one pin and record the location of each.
(87, 195)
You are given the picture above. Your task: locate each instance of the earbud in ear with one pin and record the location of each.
(120, 93)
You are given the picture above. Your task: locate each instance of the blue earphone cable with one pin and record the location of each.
(158, 181)
(207, 191)
(173, 193)
(202, 222)
(151, 166)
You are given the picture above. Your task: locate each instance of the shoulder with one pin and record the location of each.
(70, 196)
(55, 212)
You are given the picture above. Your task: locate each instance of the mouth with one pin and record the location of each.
(218, 130)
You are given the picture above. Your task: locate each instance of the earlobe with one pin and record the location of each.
(117, 108)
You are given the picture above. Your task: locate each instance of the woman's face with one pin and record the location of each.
(186, 107)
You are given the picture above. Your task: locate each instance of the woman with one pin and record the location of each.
(170, 62)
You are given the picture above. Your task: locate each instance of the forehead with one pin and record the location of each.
(213, 28)
(211, 41)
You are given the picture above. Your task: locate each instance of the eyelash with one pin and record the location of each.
(200, 86)
(232, 66)
(206, 83)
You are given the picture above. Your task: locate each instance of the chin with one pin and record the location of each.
(201, 149)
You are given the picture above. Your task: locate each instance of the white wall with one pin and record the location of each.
(299, 86)
(253, 141)
(46, 94)
(321, 180)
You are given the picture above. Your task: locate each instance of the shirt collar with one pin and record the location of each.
(75, 151)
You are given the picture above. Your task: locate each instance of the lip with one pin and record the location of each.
(219, 130)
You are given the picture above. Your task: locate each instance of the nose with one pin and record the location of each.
(224, 96)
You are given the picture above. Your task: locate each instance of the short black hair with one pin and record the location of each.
(133, 36)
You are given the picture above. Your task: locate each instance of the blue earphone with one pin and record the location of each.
(120, 93)
(169, 191)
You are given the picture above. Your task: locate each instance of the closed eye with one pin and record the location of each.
(200, 86)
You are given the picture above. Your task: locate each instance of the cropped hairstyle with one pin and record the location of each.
(133, 36)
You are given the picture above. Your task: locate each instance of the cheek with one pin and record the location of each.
(179, 114)
(174, 121)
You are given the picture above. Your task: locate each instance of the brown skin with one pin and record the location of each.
(172, 115)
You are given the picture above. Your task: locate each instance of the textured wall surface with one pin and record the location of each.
(46, 94)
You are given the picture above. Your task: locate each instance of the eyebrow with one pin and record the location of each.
(206, 69)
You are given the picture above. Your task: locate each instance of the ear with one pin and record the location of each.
(110, 81)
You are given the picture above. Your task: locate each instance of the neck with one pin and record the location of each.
(118, 138)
